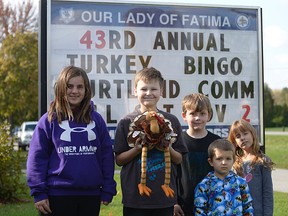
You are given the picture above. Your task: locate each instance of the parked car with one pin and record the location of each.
(25, 134)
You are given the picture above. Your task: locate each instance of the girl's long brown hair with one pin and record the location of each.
(260, 158)
(60, 107)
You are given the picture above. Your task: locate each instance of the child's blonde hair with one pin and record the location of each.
(197, 102)
(147, 74)
(243, 126)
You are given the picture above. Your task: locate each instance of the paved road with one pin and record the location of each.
(279, 178)
(276, 132)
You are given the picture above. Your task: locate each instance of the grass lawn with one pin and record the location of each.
(276, 149)
(115, 208)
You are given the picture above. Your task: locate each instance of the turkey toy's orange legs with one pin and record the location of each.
(165, 187)
(143, 189)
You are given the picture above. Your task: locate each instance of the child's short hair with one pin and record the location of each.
(222, 144)
(147, 74)
(196, 102)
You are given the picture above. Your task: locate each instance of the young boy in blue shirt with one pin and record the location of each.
(222, 192)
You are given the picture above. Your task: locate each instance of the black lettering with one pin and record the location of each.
(168, 107)
(220, 112)
(189, 65)
(231, 91)
(104, 88)
(86, 63)
(129, 40)
(130, 89)
(174, 89)
(72, 58)
(198, 43)
(222, 68)
(247, 90)
(114, 38)
(200, 87)
(209, 65)
(115, 61)
(130, 63)
(185, 41)
(93, 87)
(172, 40)
(211, 43)
(216, 86)
(227, 89)
(109, 114)
(236, 61)
(159, 41)
(118, 87)
(143, 62)
(222, 44)
(102, 62)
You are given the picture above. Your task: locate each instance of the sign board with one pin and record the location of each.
(215, 50)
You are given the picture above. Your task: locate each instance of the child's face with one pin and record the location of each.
(222, 162)
(196, 120)
(75, 91)
(244, 140)
(148, 94)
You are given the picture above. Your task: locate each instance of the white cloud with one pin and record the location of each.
(275, 36)
(283, 59)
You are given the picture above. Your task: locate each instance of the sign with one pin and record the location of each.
(215, 50)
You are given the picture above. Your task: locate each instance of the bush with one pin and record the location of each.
(11, 187)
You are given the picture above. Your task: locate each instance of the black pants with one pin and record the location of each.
(148, 212)
(74, 206)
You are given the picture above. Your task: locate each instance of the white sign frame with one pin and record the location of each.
(223, 56)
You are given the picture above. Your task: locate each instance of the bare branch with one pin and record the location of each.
(18, 18)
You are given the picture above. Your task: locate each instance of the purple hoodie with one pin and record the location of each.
(71, 159)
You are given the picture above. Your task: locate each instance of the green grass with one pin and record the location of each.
(27, 208)
(276, 149)
(280, 204)
(115, 207)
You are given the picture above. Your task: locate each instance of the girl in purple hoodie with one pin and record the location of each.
(70, 166)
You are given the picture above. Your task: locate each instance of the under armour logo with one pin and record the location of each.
(66, 135)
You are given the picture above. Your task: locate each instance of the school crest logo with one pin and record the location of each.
(242, 22)
(67, 15)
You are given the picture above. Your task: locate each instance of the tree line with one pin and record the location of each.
(18, 62)
(19, 70)
(275, 107)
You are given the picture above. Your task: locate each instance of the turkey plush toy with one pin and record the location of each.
(155, 132)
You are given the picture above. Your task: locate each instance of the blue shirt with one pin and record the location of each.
(230, 196)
